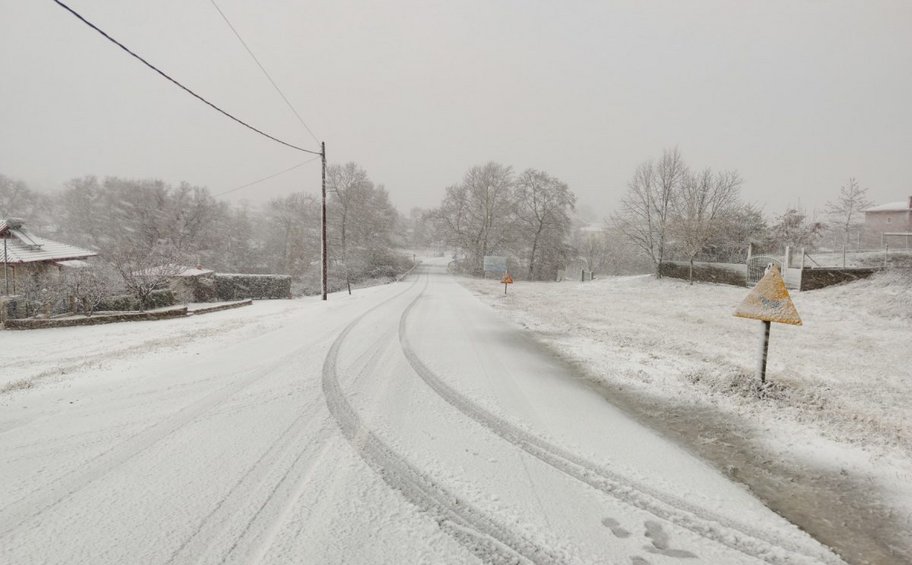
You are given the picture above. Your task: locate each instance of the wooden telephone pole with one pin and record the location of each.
(324, 256)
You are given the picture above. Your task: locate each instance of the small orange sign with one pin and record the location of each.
(769, 301)
(507, 279)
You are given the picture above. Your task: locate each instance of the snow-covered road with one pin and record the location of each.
(404, 424)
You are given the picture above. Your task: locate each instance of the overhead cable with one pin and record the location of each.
(272, 176)
(265, 72)
(178, 84)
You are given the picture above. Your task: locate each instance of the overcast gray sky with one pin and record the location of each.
(797, 96)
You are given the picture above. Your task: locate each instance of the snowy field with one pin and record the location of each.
(838, 404)
(405, 424)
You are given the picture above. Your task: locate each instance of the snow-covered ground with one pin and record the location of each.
(839, 400)
(405, 424)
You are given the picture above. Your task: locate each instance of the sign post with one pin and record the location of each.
(768, 302)
(506, 280)
(764, 349)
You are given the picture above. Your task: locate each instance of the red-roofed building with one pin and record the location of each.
(23, 254)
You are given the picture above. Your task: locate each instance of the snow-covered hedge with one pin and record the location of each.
(238, 286)
(126, 302)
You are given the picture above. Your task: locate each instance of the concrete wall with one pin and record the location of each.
(725, 273)
(822, 277)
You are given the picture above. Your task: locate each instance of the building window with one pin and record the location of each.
(889, 220)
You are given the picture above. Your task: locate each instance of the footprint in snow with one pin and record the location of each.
(615, 528)
(660, 541)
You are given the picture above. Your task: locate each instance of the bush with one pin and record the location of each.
(240, 286)
(127, 303)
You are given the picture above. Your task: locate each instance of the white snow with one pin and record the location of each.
(309, 432)
(841, 383)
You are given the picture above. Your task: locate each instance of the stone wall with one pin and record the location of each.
(822, 277)
(725, 273)
(39, 323)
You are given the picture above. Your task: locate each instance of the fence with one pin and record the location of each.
(800, 270)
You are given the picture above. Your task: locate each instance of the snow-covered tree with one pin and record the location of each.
(646, 208)
(477, 215)
(145, 269)
(699, 208)
(846, 212)
(794, 229)
(543, 207)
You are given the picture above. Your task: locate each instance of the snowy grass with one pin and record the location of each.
(829, 434)
(845, 374)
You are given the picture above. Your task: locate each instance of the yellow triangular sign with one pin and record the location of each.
(769, 301)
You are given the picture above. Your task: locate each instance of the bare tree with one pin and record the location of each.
(87, 286)
(41, 292)
(699, 207)
(477, 215)
(646, 208)
(543, 206)
(291, 238)
(363, 224)
(846, 211)
(145, 270)
(17, 199)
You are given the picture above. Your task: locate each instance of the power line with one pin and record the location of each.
(178, 84)
(265, 72)
(272, 176)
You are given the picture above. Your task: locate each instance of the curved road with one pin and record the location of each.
(404, 424)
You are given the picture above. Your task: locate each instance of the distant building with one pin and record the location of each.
(23, 254)
(895, 217)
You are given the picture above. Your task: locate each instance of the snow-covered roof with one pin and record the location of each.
(194, 272)
(73, 263)
(25, 247)
(901, 206)
(173, 270)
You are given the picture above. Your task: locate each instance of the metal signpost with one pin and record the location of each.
(506, 280)
(768, 302)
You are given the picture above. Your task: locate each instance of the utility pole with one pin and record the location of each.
(325, 255)
(5, 266)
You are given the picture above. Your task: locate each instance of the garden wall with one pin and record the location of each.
(725, 273)
(38, 323)
(820, 277)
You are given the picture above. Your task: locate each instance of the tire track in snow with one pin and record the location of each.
(28, 507)
(218, 522)
(489, 540)
(703, 522)
(251, 545)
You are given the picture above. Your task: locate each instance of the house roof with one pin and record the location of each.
(194, 272)
(901, 206)
(24, 247)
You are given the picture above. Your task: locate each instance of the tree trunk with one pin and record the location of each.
(661, 259)
(845, 243)
(690, 275)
